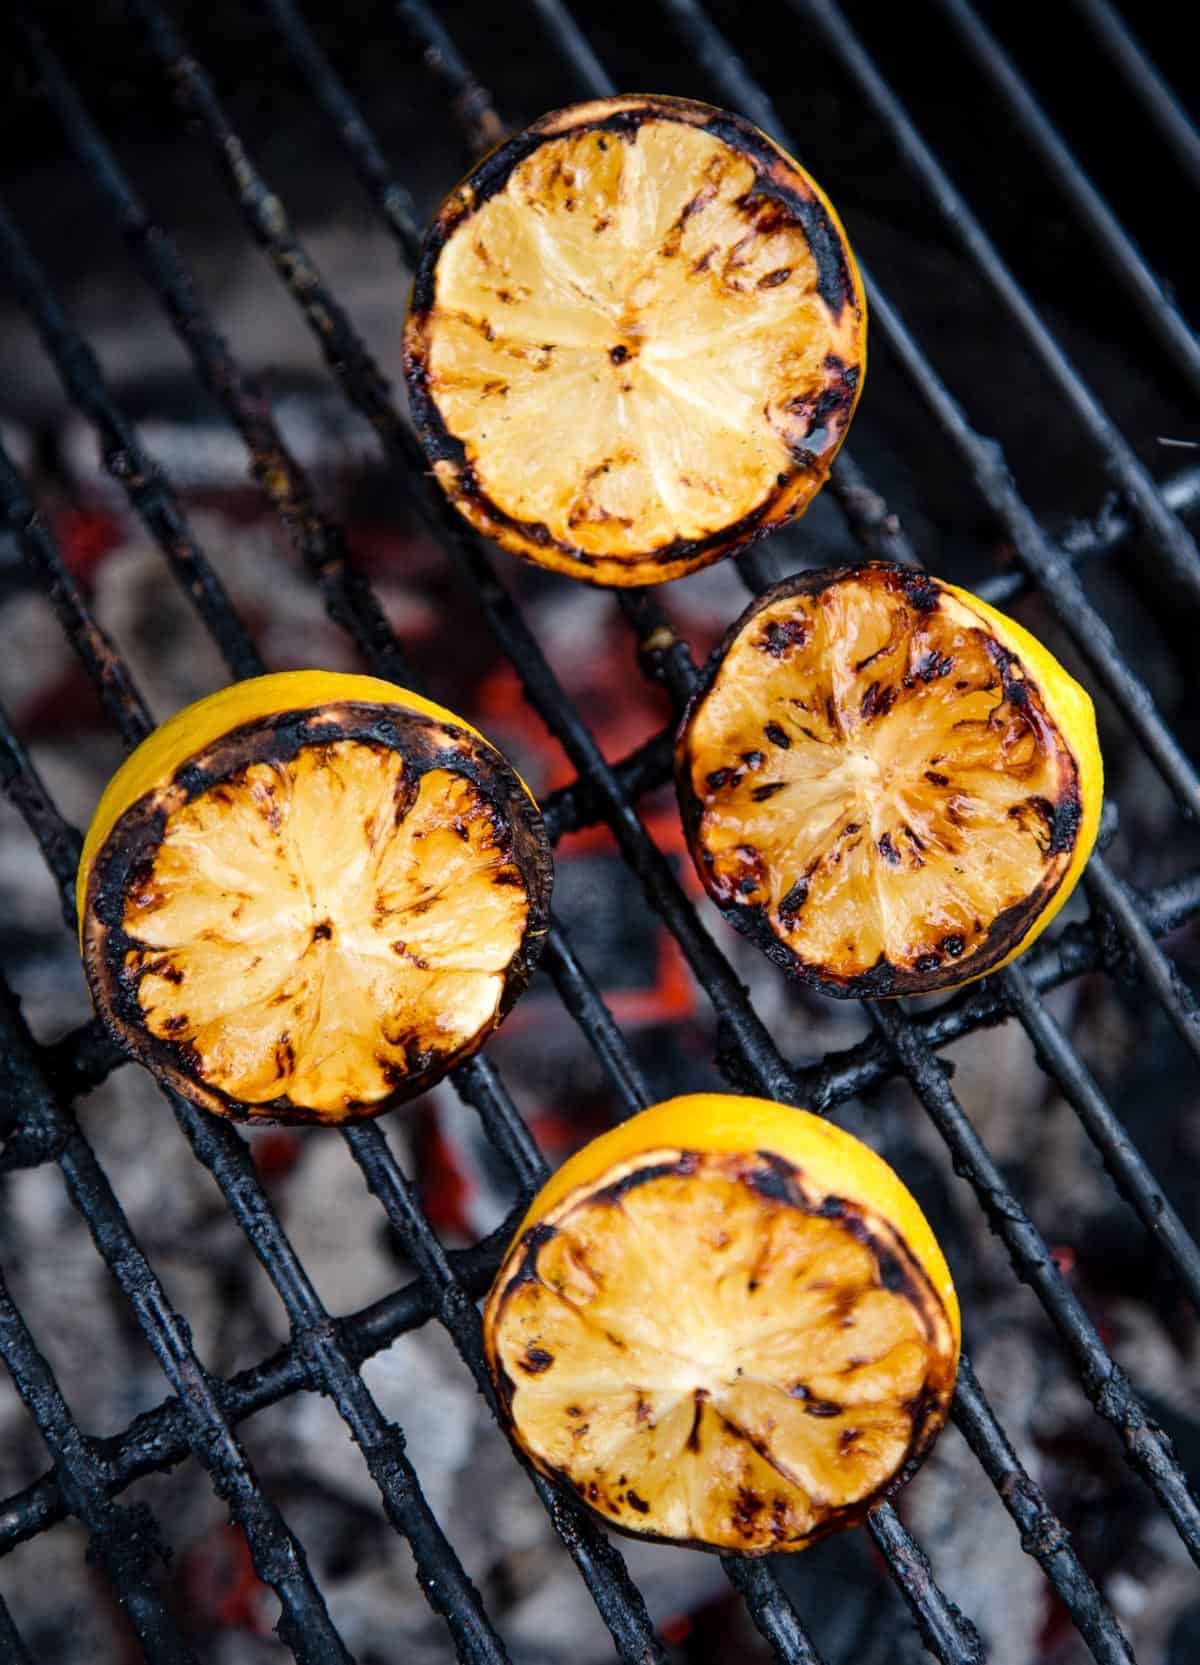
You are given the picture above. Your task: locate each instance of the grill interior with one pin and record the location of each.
(1084, 572)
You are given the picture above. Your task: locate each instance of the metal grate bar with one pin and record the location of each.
(1046, 565)
(1100, 534)
(60, 844)
(278, 1558)
(1161, 103)
(1151, 295)
(97, 654)
(1042, 1535)
(1129, 1172)
(574, 46)
(472, 102)
(619, 1603)
(125, 458)
(85, 1056)
(443, 1580)
(157, 1438)
(1147, 1448)
(320, 542)
(577, 805)
(124, 1540)
(1113, 898)
(1168, 532)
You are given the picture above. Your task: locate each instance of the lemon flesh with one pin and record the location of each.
(632, 355)
(885, 785)
(314, 967)
(711, 1347)
(312, 913)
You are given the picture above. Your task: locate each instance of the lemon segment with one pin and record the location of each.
(636, 339)
(887, 783)
(725, 1323)
(307, 912)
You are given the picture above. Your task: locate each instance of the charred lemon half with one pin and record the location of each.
(886, 783)
(306, 897)
(725, 1323)
(636, 339)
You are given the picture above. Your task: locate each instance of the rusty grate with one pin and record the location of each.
(324, 1354)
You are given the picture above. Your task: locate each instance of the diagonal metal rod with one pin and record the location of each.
(1147, 1448)
(1167, 531)
(278, 1557)
(1129, 1172)
(1114, 900)
(320, 542)
(157, 1439)
(149, 493)
(126, 1541)
(1153, 299)
(441, 1575)
(1160, 102)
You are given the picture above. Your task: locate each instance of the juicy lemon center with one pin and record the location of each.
(629, 340)
(703, 1359)
(319, 929)
(881, 776)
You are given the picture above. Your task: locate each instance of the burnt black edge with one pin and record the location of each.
(777, 1180)
(835, 285)
(751, 920)
(426, 743)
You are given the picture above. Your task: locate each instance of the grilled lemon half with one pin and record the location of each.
(636, 339)
(306, 897)
(886, 783)
(725, 1323)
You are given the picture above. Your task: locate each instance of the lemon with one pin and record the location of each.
(725, 1323)
(889, 785)
(636, 340)
(308, 896)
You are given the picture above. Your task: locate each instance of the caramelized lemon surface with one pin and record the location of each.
(315, 910)
(887, 783)
(725, 1323)
(636, 339)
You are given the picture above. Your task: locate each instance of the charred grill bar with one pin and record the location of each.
(325, 1354)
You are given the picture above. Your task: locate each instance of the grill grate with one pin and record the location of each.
(324, 1354)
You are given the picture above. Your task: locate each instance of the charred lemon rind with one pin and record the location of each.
(785, 189)
(1026, 673)
(115, 963)
(750, 1525)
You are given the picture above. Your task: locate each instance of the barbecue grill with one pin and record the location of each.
(1119, 938)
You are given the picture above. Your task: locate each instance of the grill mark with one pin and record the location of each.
(782, 636)
(877, 701)
(693, 1440)
(777, 736)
